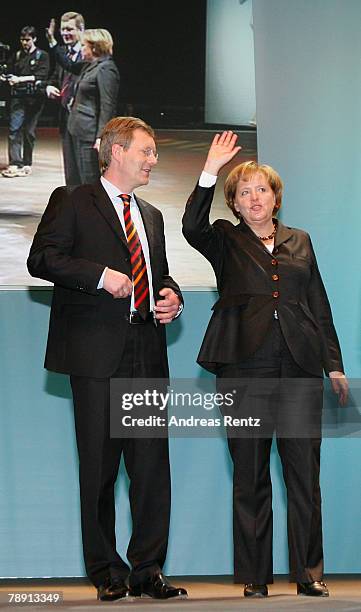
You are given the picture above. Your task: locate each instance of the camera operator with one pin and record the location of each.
(28, 72)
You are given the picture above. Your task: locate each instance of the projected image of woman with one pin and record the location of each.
(94, 103)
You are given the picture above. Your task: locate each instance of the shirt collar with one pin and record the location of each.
(77, 47)
(113, 191)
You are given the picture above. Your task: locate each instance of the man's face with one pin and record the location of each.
(69, 32)
(27, 42)
(136, 162)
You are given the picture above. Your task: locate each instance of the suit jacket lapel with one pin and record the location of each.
(283, 234)
(148, 220)
(90, 66)
(106, 209)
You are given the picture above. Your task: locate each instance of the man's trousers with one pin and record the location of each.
(146, 461)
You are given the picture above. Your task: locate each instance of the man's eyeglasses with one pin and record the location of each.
(146, 152)
(149, 152)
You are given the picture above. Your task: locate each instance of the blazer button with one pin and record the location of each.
(274, 262)
(275, 294)
(275, 277)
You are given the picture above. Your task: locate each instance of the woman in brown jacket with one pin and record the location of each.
(271, 337)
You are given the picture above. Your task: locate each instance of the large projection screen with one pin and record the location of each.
(171, 91)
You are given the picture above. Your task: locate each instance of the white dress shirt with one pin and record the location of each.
(114, 195)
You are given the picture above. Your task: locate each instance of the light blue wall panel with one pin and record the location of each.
(309, 114)
(39, 508)
(308, 91)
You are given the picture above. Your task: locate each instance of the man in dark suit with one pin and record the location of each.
(61, 84)
(104, 250)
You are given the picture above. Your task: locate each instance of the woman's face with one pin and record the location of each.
(255, 199)
(87, 51)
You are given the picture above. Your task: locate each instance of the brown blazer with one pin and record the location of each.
(253, 283)
(78, 236)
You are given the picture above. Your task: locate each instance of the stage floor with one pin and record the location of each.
(205, 593)
(181, 158)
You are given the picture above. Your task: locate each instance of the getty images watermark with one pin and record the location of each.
(172, 400)
(206, 407)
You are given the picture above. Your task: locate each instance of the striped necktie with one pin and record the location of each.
(137, 262)
(67, 85)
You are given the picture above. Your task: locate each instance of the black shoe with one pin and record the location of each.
(158, 587)
(255, 590)
(112, 590)
(312, 589)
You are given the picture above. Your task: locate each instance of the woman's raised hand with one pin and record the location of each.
(222, 150)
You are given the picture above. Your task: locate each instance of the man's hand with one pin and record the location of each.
(118, 284)
(166, 309)
(96, 145)
(52, 92)
(50, 32)
(339, 384)
(222, 150)
(14, 80)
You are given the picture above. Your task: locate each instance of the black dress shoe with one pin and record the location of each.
(158, 587)
(312, 589)
(112, 590)
(255, 590)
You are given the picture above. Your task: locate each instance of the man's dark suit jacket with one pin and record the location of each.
(57, 79)
(253, 283)
(79, 234)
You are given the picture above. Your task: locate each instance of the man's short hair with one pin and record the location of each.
(79, 19)
(28, 31)
(100, 40)
(119, 131)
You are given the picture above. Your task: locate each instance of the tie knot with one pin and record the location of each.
(126, 198)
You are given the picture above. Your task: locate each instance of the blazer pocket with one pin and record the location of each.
(228, 301)
(79, 310)
(308, 314)
(302, 259)
(85, 110)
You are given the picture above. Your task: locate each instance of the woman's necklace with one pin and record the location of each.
(271, 236)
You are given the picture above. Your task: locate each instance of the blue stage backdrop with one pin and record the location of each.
(39, 509)
(308, 89)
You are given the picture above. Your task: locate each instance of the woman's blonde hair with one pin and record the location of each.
(245, 171)
(100, 40)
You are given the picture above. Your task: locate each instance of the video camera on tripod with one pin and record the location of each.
(4, 54)
(29, 88)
